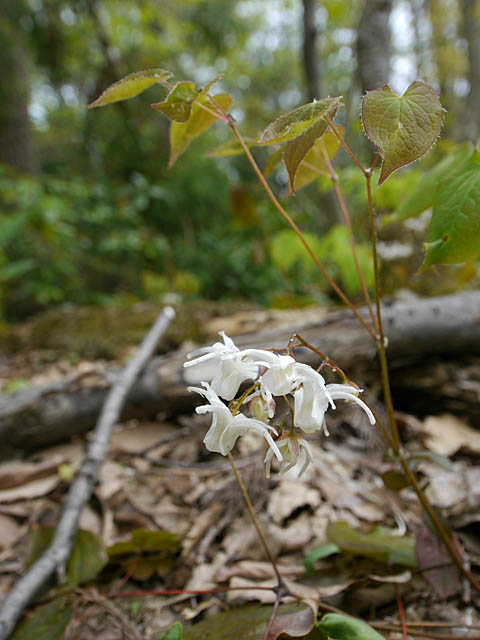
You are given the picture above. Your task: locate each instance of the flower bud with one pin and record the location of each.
(260, 409)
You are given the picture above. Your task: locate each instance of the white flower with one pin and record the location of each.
(226, 428)
(233, 367)
(290, 448)
(216, 351)
(313, 397)
(279, 377)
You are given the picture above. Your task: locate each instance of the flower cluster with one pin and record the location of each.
(271, 375)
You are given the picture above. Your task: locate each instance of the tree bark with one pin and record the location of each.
(373, 44)
(16, 144)
(311, 59)
(471, 25)
(416, 330)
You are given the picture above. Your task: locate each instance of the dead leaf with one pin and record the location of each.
(9, 529)
(202, 523)
(256, 570)
(33, 489)
(431, 552)
(290, 496)
(140, 437)
(16, 473)
(446, 434)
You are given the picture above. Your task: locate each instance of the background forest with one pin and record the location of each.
(89, 211)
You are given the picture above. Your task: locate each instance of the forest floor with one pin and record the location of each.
(179, 515)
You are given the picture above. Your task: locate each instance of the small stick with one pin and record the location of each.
(54, 559)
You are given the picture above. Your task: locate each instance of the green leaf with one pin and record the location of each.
(131, 86)
(272, 161)
(421, 197)
(296, 122)
(315, 158)
(87, 559)
(403, 127)
(394, 480)
(454, 231)
(175, 632)
(249, 623)
(178, 104)
(146, 540)
(300, 129)
(379, 544)
(339, 627)
(47, 622)
(318, 554)
(182, 133)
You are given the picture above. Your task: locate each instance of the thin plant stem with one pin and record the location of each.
(397, 446)
(447, 541)
(272, 617)
(281, 584)
(296, 229)
(401, 612)
(345, 145)
(346, 217)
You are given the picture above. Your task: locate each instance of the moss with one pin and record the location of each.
(106, 332)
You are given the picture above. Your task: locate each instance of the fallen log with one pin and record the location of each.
(416, 330)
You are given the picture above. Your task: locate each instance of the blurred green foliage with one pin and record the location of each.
(103, 220)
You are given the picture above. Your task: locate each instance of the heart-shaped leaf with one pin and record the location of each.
(178, 104)
(454, 232)
(131, 86)
(339, 627)
(403, 127)
(182, 133)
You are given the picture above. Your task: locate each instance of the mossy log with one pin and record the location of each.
(417, 330)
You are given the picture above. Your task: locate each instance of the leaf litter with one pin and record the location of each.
(159, 486)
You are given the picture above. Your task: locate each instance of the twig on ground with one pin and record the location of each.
(54, 559)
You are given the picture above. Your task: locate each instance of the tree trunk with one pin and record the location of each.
(373, 44)
(16, 145)
(471, 25)
(311, 58)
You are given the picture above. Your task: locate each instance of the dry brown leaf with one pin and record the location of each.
(137, 438)
(256, 570)
(296, 536)
(249, 592)
(16, 473)
(202, 523)
(33, 489)
(446, 434)
(9, 529)
(290, 496)
(111, 479)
